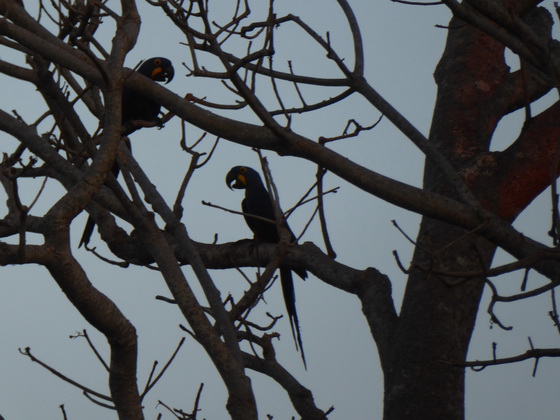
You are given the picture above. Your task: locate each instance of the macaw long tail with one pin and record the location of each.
(290, 301)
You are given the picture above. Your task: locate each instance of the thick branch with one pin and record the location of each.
(301, 397)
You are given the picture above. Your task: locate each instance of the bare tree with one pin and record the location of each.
(470, 197)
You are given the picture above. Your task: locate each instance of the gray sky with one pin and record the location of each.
(402, 47)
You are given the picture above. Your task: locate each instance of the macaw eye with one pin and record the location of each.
(243, 169)
(157, 61)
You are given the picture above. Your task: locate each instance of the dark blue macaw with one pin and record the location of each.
(258, 202)
(137, 108)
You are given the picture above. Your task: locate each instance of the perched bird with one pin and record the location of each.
(138, 111)
(139, 108)
(258, 202)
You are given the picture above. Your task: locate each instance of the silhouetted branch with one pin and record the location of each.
(64, 417)
(149, 383)
(536, 354)
(495, 298)
(27, 352)
(93, 348)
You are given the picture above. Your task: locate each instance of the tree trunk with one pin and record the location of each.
(438, 313)
(435, 325)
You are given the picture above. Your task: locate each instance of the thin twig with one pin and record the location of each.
(27, 352)
(529, 354)
(322, 216)
(94, 349)
(490, 310)
(150, 385)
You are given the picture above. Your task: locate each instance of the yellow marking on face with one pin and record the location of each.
(242, 179)
(155, 72)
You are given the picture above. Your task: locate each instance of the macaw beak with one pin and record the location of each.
(163, 74)
(236, 180)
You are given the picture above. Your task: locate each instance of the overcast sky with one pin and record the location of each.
(402, 46)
